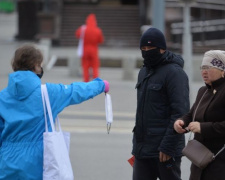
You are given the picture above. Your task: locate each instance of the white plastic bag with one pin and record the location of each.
(108, 111)
(56, 159)
(80, 47)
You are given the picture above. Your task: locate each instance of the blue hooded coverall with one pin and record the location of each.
(22, 120)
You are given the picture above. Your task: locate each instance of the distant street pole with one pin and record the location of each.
(187, 42)
(158, 14)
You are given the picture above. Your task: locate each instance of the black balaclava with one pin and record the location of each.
(152, 57)
(41, 74)
(155, 38)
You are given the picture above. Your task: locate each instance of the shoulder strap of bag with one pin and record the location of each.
(198, 105)
(193, 119)
(219, 152)
(46, 102)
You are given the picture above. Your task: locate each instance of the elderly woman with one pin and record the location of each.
(209, 122)
(22, 117)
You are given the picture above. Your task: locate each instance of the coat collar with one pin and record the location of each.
(216, 84)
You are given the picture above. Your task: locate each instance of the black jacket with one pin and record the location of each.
(162, 97)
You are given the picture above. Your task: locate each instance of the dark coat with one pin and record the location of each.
(211, 115)
(162, 97)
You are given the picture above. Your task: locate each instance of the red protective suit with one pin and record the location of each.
(92, 38)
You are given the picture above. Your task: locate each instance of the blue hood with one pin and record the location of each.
(22, 83)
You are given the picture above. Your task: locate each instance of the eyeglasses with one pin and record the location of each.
(206, 68)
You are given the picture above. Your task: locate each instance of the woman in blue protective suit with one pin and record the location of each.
(22, 118)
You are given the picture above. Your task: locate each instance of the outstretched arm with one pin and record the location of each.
(62, 96)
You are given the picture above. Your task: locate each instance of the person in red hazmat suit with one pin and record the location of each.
(91, 36)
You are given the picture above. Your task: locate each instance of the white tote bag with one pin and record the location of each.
(80, 47)
(56, 159)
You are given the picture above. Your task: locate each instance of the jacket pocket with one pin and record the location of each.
(155, 87)
(155, 94)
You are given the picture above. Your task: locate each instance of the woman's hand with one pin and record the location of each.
(178, 126)
(194, 127)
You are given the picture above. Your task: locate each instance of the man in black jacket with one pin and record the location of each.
(162, 97)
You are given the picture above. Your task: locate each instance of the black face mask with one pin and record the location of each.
(41, 74)
(152, 58)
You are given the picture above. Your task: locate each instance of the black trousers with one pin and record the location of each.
(151, 169)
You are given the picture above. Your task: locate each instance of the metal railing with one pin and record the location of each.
(205, 4)
(208, 32)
